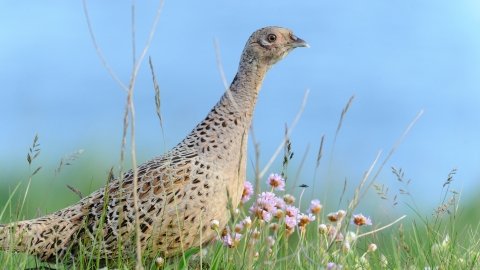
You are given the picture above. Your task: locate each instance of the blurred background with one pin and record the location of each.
(397, 58)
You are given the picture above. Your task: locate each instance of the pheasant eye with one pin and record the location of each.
(271, 37)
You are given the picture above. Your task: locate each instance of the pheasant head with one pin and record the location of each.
(271, 44)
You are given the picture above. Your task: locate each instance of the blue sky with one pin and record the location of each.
(397, 57)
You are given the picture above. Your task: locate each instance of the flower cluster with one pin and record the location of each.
(277, 213)
(265, 206)
(228, 240)
(291, 213)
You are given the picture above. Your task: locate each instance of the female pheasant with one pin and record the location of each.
(180, 192)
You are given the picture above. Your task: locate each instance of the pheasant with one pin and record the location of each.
(179, 193)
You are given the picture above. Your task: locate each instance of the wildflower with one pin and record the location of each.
(360, 220)
(341, 214)
(304, 219)
(334, 217)
(315, 207)
(276, 181)
(225, 231)
(238, 227)
(333, 266)
(331, 230)
(159, 262)
(292, 211)
(346, 246)
(214, 224)
(264, 206)
(237, 239)
(228, 241)
(260, 213)
(274, 226)
(290, 230)
(322, 229)
(339, 237)
(247, 222)
(279, 203)
(237, 212)
(267, 201)
(288, 199)
(255, 255)
(278, 213)
(247, 192)
(372, 248)
(271, 241)
(256, 234)
(290, 222)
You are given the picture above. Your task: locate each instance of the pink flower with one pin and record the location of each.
(239, 227)
(339, 237)
(290, 221)
(229, 242)
(265, 206)
(315, 207)
(279, 203)
(260, 213)
(276, 181)
(278, 213)
(247, 192)
(274, 226)
(330, 265)
(292, 211)
(247, 222)
(333, 266)
(304, 219)
(360, 220)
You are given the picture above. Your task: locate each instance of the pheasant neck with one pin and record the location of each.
(245, 88)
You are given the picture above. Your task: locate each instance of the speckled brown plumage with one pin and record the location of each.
(180, 192)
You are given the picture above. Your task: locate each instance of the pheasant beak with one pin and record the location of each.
(298, 42)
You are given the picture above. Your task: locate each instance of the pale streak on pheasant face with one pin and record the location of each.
(271, 44)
